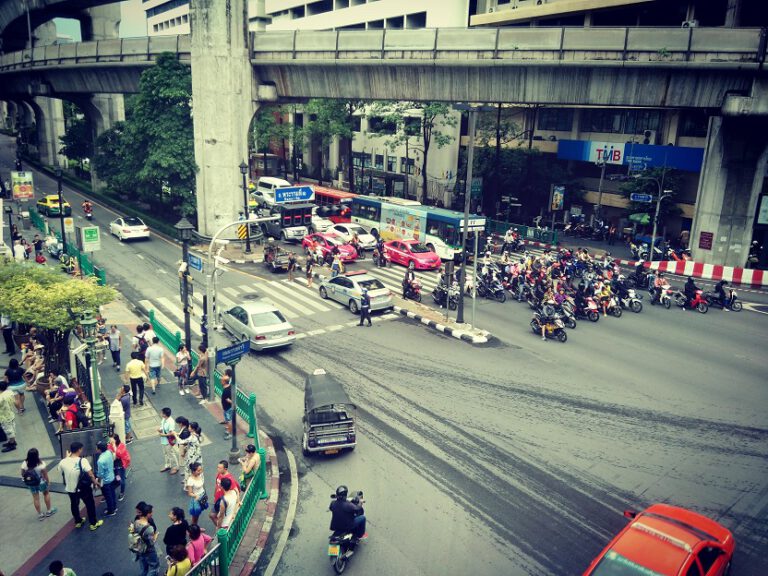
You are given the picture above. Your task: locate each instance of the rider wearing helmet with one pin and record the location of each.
(690, 290)
(620, 287)
(347, 515)
(720, 291)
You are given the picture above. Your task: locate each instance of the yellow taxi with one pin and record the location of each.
(49, 206)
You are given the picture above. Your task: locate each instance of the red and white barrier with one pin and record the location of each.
(743, 276)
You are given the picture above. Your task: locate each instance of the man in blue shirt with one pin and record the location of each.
(105, 472)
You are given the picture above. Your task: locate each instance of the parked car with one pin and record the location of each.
(129, 228)
(327, 243)
(666, 540)
(49, 205)
(411, 253)
(348, 289)
(347, 231)
(259, 321)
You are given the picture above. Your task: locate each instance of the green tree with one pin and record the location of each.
(267, 127)
(435, 120)
(77, 142)
(648, 182)
(155, 146)
(42, 297)
(329, 119)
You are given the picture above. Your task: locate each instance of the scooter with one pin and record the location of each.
(731, 302)
(88, 211)
(342, 545)
(699, 302)
(632, 301)
(553, 327)
(449, 296)
(413, 291)
(381, 259)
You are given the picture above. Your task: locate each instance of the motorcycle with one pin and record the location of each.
(88, 211)
(449, 297)
(553, 327)
(413, 291)
(632, 301)
(589, 312)
(342, 545)
(613, 308)
(699, 302)
(491, 289)
(566, 314)
(381, 259)
(732, 301)
(665, 297)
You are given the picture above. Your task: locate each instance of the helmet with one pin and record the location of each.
(690, 278)
(522, 260)
(641, 261)
(621, 277)
(488, 254)
(754, 242)
(341, 492)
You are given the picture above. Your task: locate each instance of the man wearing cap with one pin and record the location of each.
(365, 308)
(105, 472)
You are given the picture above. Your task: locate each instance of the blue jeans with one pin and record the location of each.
(122, 482)
(359, 528)
(150, 565)
(108, 490)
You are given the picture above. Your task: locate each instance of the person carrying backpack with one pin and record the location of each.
(35, 477)
(141, 541)
(140, 342)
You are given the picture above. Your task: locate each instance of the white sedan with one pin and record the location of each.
(347, 231)
(129, 228)
(319, 223)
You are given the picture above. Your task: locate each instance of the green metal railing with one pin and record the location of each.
(526, 232)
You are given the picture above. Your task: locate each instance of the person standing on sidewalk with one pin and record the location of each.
(250, 464)
(228, 504)
(183, 359)
(105, 472)
(79, 482)
(136, 371)
(200, 373)
(35, 477)
(56, 568)
(147, 558)
(140, 342)
(124, 396)
(198, 542)
(226, 405)
(195, 486)
(176, 533)
(155, 361)
(7, 324)
(167, 432)
(122, 462)
(8, 416)
(115, 343)
(222, 473)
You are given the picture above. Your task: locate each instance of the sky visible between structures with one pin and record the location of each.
(133, 22)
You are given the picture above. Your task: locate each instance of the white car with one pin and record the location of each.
(319, 224)
(346, 231)
(129, 228)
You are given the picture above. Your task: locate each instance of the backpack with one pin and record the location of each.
(142, 346)
(84, 479)
(81, 420)
(31, 477)
(136, 542)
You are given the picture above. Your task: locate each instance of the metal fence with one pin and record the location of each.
(209, 565)
(526, 232)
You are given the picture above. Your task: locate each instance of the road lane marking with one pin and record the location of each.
(249, 290)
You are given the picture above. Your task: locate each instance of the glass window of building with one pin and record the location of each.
(557, 119)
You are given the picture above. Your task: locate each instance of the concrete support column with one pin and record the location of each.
(101, 23)
(733, 14)
(101, 111)
(729, 187)
(576, 124)
(50, 128)
(223, 105)
(673, 127)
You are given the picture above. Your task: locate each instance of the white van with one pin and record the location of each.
(264, 195)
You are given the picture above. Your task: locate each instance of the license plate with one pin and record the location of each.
(333, 550)
(331, 451)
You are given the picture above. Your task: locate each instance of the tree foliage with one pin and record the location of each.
(433, 128)
(153, 152)
(77, 142)
(42, 297)
(267, 128)
(648, 182)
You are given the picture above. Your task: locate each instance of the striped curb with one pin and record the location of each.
(456, 333)
(741, 276)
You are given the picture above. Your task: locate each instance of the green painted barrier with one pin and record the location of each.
(530, 233)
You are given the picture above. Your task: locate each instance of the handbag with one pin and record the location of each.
(203, 501)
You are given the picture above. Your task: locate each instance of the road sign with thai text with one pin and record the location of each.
(90, 238)
(232, 354)
(195, 262)
(636, 197)
(294, 194)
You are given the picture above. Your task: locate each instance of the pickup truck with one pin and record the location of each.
(294, 223)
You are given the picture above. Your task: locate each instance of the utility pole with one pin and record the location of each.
(244, 172)
(467, 194)
(662, 196)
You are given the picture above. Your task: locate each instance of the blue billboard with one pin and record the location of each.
(638, 156)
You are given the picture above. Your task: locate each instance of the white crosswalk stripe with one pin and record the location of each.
(239, 291)
(178, 313)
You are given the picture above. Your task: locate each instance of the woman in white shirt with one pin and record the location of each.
(37, 481)
(198, 499)
(182, 367)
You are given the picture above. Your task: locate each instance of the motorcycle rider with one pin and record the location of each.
(690, 290)
(720, 291)
(408, 279)
(658, 285)
(347, 515)
(87, 207)
(619, 286)
(754, 254)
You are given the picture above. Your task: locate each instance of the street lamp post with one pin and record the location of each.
(244, 171)
(185, 229)
(467, 196)
(88, 324)
(662, 196)
(599, 208)
(9, 211)
(61, 208)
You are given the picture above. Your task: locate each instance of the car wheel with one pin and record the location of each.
(353, 307)
(411, 265)
(323, 293)
(283, 237)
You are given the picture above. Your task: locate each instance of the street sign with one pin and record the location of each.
(195, 262)
(294, 194)
(90, 238)
(635, 197)
(69, 225)
(232, 354)
(22, 186)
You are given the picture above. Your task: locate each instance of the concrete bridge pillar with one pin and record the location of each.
(100, 22)
(50, 128)
(223, 105)
(731, 180)
(102, 112)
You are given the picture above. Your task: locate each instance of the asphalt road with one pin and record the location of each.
(517, 457)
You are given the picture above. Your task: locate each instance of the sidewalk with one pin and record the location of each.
(31, 545)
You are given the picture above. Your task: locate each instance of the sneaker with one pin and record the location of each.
(154, 393)
(121, 498)
(110, 514)
(181, 392)
(41, 516)
(130, 440)
(95, 526)
(364, 536)
(79, 524)
(203, 401)
(227, 436)
(52, 511)
(9, 448)
(543, 339)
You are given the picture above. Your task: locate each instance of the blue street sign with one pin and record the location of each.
(232, 354)
(647, 198)
(294, 194)
(195, 262)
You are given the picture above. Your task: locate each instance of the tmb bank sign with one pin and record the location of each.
(637, 156)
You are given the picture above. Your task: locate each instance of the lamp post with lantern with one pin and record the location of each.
(88, 324)
(61, 207)
(185, 228)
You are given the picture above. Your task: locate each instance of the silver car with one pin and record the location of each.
(259, 321)
(348, 288)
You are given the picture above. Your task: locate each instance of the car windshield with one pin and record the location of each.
(356, 230)
(419, 248)
(372, 284)
(133, 221)
(614, 564)
(334, 240)
(267, 318)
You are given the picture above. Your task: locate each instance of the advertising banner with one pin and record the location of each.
(558, 197)
(22, 186)
(638, 156)
(402, 222)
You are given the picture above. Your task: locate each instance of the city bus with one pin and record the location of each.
(336, 205)
(396, 218)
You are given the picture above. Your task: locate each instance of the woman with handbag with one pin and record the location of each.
(198, 499)
(182, 367)
(122, 462)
